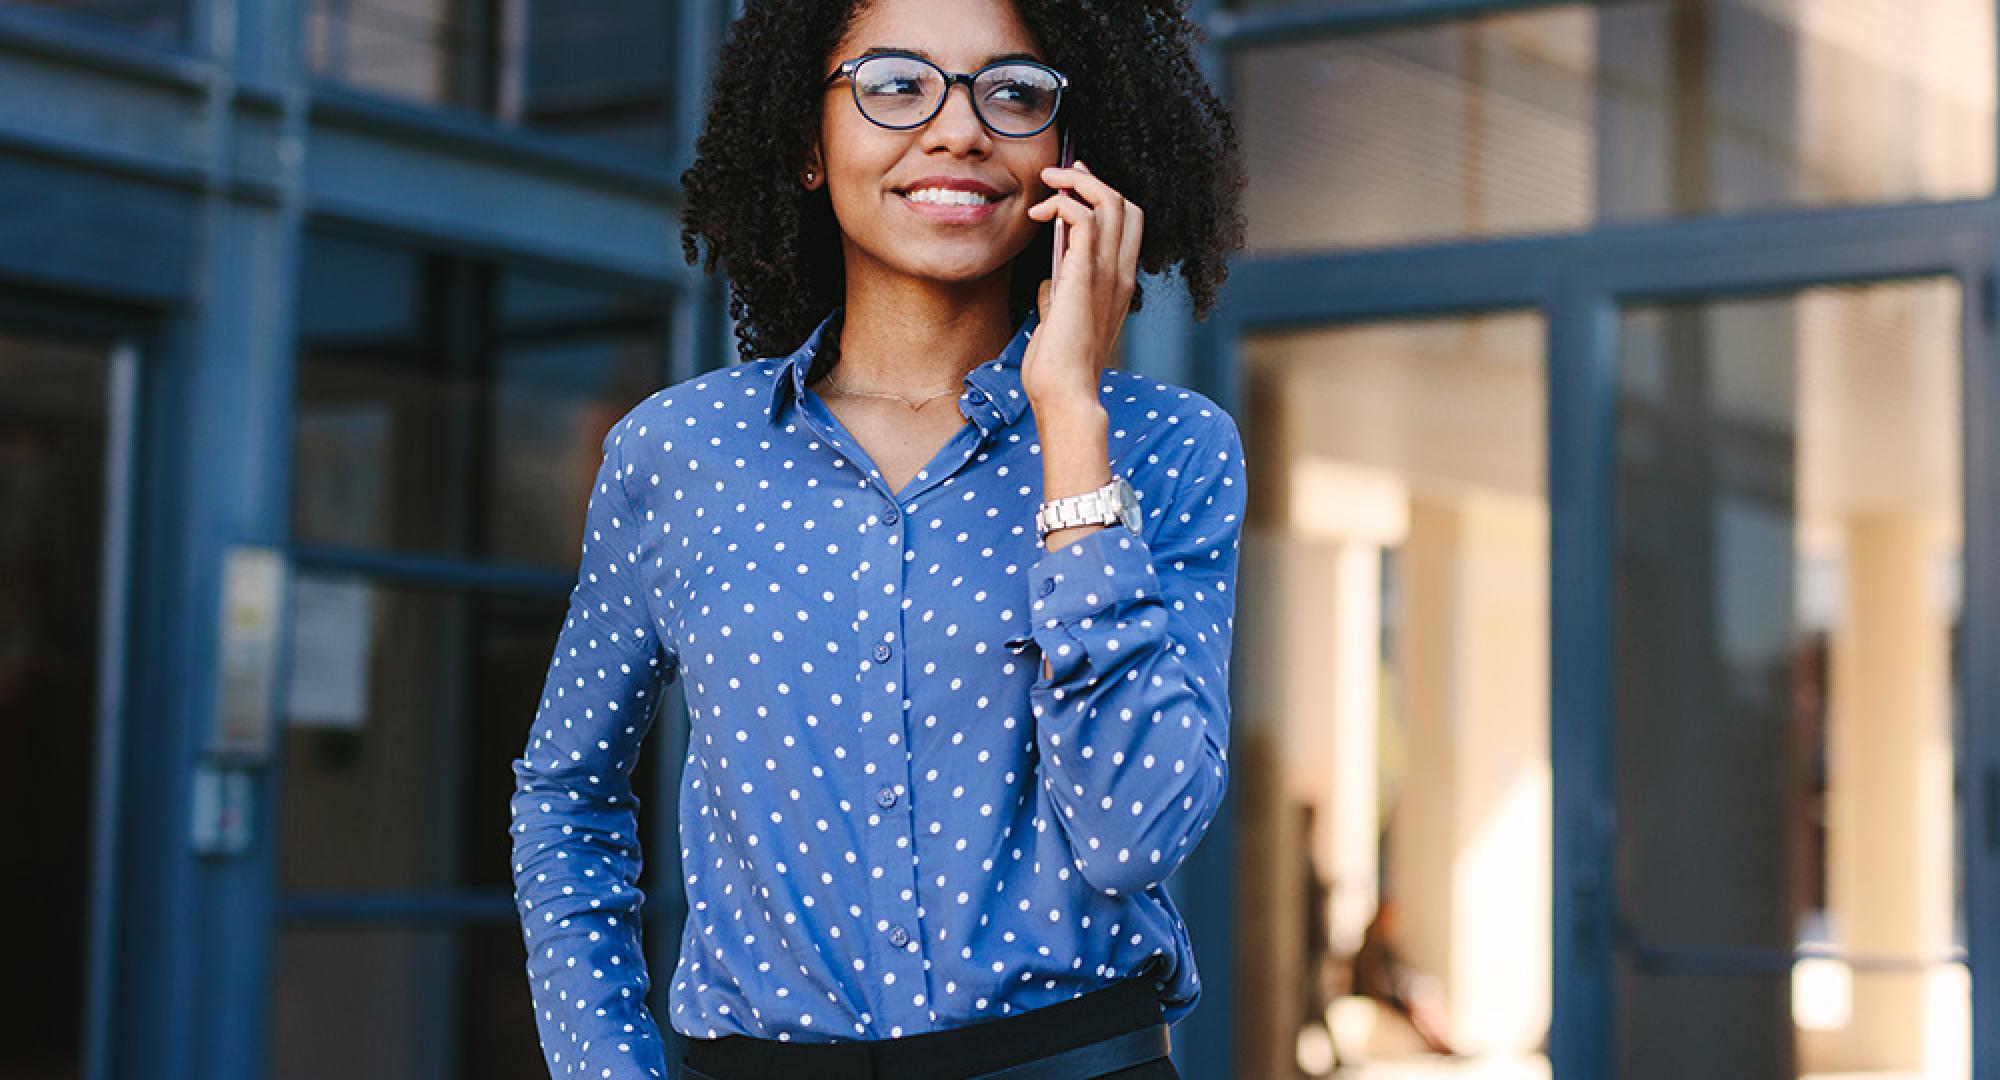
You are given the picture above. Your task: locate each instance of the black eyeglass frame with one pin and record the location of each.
(847, 69)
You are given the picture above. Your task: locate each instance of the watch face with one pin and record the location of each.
(1128, 505)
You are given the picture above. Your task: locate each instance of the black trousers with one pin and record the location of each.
(1125, 1006)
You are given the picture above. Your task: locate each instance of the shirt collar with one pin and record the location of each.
(993, 398)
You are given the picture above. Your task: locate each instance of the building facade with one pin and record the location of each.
(1618, 388)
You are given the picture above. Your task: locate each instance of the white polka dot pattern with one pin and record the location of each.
(892, 821)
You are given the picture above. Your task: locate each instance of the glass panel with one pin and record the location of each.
(597, 71)
(412, 49)
(543, 469)
(1390, 742)
(406, 707)
(402, 1004)
(1787, 586)
(52, 438)
(155, 18)
(1561, 118)
(450, 407)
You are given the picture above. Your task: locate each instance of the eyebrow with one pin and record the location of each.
(876, 50)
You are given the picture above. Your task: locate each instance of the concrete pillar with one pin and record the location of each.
(1342, 518)
(1469, 847)
(1346, 789)
(1889, 787)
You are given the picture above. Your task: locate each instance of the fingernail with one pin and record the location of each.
(1082, 166)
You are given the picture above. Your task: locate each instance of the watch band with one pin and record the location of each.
(1100, 507)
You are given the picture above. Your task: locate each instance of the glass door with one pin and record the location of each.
(1390, 742)
(65, 426)
(1788, 551)
(449, 416)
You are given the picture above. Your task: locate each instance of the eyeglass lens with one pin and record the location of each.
(900, 91)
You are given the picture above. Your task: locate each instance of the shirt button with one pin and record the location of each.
(886, 797)
(890, 516)
(1048, 586)
(898, 936)
(883, 652)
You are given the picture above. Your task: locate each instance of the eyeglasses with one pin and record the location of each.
(1015, 98)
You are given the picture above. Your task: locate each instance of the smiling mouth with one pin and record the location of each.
(949, 197)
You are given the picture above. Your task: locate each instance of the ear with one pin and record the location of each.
(812, 175)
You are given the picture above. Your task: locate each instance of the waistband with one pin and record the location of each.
(1115, 1026)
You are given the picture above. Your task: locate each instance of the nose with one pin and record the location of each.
(957, 126)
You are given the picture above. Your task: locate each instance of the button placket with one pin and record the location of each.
(884, 738)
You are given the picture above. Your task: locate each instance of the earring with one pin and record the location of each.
(809, 175)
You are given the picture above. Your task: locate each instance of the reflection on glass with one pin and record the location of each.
(450, 407)
(1390, 747)
(1559, 118)
(405, 708)
(52, 438)
(542, 469)
(1787, 567)
(402, 1004)
(165, 19)
(589, 70)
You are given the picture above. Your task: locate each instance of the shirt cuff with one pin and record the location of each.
(1080, 589)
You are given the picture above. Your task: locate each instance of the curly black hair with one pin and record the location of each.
(1176, 157)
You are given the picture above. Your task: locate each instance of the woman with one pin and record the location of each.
(944, 747)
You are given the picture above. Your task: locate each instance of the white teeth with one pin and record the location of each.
(947, 197)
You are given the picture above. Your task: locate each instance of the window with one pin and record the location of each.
(450, 416)
(1789, 547)
(1558, 119)
(154, 18)
(597, 71)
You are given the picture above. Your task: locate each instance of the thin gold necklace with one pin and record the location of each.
(829, 380)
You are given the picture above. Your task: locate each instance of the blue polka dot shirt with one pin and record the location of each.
(893, 818)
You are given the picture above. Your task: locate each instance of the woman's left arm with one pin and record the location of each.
(1132, 708)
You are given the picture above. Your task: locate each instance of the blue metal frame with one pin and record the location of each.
(1290, 25)
(1582, 426)
(1979, 834)
(114, 612)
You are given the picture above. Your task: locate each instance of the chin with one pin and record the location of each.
(954, 276)
(960, 268)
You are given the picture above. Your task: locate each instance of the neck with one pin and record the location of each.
(914, 337)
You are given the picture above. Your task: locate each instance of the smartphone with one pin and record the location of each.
(1062, 227)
